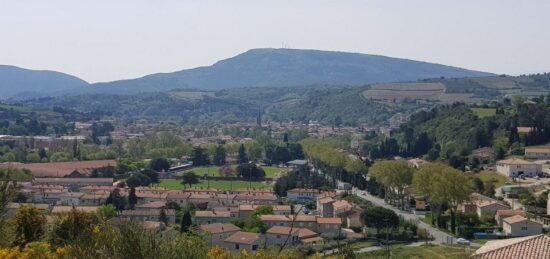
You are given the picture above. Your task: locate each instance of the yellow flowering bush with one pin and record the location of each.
(34, 250)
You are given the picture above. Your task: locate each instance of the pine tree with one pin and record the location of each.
(243, 158)
(132, 198)
(162, 217)
(186, 221)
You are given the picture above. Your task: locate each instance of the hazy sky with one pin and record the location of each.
(109, 40)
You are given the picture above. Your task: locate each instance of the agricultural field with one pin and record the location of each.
(421, 252)
(222, 185)
(498, 179)
(484, 112)
(405, 91)
(270, 171)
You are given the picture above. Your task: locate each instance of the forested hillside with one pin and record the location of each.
(451, 132)
(325, 104)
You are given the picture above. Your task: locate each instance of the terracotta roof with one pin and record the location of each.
(509, 213)
(530, 247)
(485, 203)
(514, 161)
(325, 200)
(72, 180)
(306, 233)
(329, 221)
(274, 218)
(540, 149)
(514, 219)
(243, 238)
(282, 230)
(149, 212)
(95, 196)
(212, 214)
(60, 169)
(303, 190)
(152, 205)
(217, 228)
(63, 209)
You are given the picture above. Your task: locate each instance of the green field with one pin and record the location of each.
(484, 112)
(270, 171)
(15, 174)
(222, 185)
(498, 179)
(424, 251)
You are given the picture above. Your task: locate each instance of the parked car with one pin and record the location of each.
(463, 241)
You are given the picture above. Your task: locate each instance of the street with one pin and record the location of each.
(439, 236)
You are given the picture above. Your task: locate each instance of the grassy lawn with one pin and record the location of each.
(481, 241)
(487, 176)
(270, 171)
(222, 185)
(362, 244)
(424, 251)
(484, 112)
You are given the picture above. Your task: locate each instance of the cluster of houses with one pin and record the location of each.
(60, 187)
(288, 226)
(514, 222)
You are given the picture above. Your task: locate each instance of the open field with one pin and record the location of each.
(484, 112)
(421, 252)
(222, 185)
(498, 179)
(410, 91)
(270, 171)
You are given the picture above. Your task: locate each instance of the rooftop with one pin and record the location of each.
(217, 228)
(243, 238)
(532, 247)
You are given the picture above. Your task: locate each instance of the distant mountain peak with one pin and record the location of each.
(15, 80)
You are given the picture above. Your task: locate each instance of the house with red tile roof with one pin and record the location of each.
(243, 240)
(530, 247)
(217, 233)
(518, 226)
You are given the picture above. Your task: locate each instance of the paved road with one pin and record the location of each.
(439, 236)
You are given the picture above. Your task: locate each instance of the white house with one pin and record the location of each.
(517, 226)
(540, 152)
(518, 167)
(302, 195)
(490, 207)
(243, 240)
(217, 233)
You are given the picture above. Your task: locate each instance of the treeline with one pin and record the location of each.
(335, 164)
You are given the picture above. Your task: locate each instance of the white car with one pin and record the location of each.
(463, 241)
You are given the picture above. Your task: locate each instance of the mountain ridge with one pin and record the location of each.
(266, 67)
(261, 67)
(16, 80)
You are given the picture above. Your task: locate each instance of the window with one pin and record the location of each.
(221, 237)
(278, 236)
(254, 247)
(523, 228)
(236, 246)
